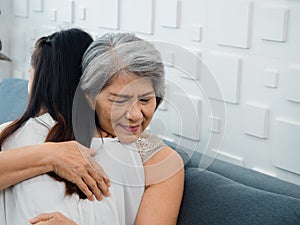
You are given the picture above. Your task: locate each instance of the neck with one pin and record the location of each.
(42, 111)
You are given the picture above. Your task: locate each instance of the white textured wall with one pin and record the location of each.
(251, 48)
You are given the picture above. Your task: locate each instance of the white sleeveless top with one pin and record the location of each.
(123, 164)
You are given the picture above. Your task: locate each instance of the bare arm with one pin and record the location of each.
(162, 198)
(54, 218)
(20, 164)
(68, 160)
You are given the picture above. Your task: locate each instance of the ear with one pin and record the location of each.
(90, 101)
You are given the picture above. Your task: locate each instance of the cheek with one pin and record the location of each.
(118, 114)
(149, 112)
(108, 115)
(103, 114)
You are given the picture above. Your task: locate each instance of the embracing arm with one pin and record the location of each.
(20, 164)
(54, 218)
(68, 160)
(161, 201)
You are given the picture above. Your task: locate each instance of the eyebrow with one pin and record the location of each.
(129, 96)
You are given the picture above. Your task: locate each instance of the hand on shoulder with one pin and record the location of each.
(73, 162)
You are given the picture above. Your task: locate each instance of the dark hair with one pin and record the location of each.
(56, 61)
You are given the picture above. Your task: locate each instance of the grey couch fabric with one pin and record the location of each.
(213, 199)
(227, 194)
(223, 194)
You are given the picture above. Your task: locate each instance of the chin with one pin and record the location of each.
(126, 139)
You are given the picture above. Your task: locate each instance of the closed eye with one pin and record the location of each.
(118, 101)
(146, 99)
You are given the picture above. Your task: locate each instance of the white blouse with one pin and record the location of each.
(122, 163)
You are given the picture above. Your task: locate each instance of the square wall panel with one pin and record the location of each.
(226, 69)
(53, 14)
(190, 63)
(215, 124)
(37, 5)
(186, 116)
(68, 15)
(196, 33)
(234, 22)
(170, 17)
(271, 78)
(286, 145)
(168, 58)
(256, 120)
(138, 16)
(273, 23)
(20, 8)
(81, 12)
(108, 16)
(187, 60)
(292, 83)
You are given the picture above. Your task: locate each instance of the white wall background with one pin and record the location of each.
(251, 47)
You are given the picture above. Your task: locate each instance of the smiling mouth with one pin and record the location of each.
(130, 129)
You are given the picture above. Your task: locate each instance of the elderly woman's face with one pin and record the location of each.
(125, 108)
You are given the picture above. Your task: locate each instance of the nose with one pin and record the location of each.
(135, 112)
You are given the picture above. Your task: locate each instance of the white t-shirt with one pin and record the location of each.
(42, 194)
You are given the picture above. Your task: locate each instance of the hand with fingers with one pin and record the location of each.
(54, 218)
(73, 162)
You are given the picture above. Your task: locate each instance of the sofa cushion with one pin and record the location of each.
(212, 199)
(13, 100)
(248, 177)
(239, 174)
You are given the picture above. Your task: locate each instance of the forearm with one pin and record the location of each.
(20, 164)
(54, 218)
(69, 160)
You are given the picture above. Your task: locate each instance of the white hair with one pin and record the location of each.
(118, 54)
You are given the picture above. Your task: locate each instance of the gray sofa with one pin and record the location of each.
(223, 194)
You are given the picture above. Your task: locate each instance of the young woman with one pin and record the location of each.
(57, 59)
(123, 83)
(57, 62)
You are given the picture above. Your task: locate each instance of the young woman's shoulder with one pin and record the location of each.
(4, 125)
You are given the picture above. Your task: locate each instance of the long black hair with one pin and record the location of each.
(56, 61)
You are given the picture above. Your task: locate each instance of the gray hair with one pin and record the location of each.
(121, 53)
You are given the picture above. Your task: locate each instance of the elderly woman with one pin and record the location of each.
(121, 86)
